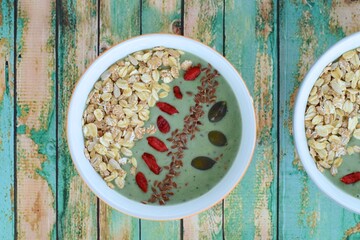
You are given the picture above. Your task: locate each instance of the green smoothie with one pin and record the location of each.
(192, 182)
(351, 163)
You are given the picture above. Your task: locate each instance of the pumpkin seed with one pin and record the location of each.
(202, 163)
(217, 111)
(217, 138)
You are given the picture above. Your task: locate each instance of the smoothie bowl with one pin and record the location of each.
(326, 122)
(161, 127)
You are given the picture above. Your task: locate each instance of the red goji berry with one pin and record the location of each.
(141, 181)
(157, 144)
(167, 108)
(163, 124)
(150, 161)
(351, 178)
(192, 73)
(177, 92)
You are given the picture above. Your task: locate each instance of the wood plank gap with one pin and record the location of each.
(223, 217)
(181, 229)
(98, 32)
(140, 19)
(223, 53)
(182, 20)
(278, 117)
(14, 117)
(98, 53)
(224, 39)
(58, 11)
(139, 224)
(98, 215)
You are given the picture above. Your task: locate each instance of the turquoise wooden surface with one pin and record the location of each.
(7, 171)
(77, 48)
(307, 29)
(251, 45)
(271, 42)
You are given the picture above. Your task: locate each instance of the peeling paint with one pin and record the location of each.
(166, 7)
(191, 228)
(210, 224)
(36, 215)
(79, 213)
(115, 225)
(160, 16)
(200, 17)
(264, 18)
(351, 231)
(37, 95)
(345, 14)
(309, 43)
(265, 177)
(114, 29)
(263, 95)
(77, 208)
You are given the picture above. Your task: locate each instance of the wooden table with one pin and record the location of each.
(45, 45)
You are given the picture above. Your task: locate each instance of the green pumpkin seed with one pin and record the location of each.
(217, 138)
(217, 111)
(202, 163)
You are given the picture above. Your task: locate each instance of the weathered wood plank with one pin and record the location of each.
(154, 230)
(203, 20)
(250, 31)
(161, 16)
(77, 49)
(36, 148)
(119, 20)
(157, 16)
(6, 119)
(307, 29)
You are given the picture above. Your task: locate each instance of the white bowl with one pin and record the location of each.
(343, 198)
(113, 198)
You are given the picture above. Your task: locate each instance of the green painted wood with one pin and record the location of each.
(307, 29)
(6, 119)
(161, 16)
(154, 230)
(157, 16)
(77, 48)
(119, 20)
(251, 46)
(35, 120)
(203, 20)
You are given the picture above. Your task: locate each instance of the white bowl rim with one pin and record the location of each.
(170, 212)
(325, 185)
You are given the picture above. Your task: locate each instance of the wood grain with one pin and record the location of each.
(157, 16)
(119, 20)
(203, 20)
(250, 28)
(77, 213)
(36, 158)
(161, 16)
(250, 34)
(7, 214)
(307, 29)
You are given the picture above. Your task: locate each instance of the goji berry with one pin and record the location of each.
(163, 124)
(167, 108)
(141, 181)
(192, 73)
(157, 144)
(177, 92)
(150, 161)
(351, 178)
